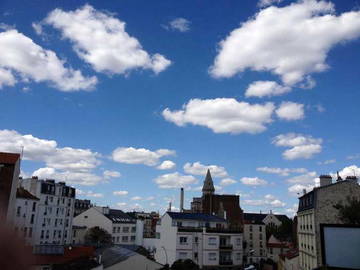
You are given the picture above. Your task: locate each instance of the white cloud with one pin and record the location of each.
(223, 115)
(291, 41)
(166, 165)
(131, 155)
(352, 170)
(89, 194)
(297, 189)
(227, 182)
(253, 181)
(72, 165)
(111, 174)
(355, 156)
(281, 171)
(265, 3)
(326, 162)
(101, 40)
(175, 180)
(307, 178)
(290, 111)
(301, 146)
(266, 89)
(121, 193)
(37, 28)
(197, 168)
(268, 201)
(22, 59)
(293, 210)
(121, 204)
(70, 177)
(136, 198)
(178, 24)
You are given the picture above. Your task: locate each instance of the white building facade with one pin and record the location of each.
(205, 239)
(55, 211)
(124, 230)
(255, 239)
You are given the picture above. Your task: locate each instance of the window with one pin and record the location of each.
(125, 239)
(132, 239)
(261, 244)
(117, 239)
(251, 236)
(42, 235)
(212, 256)
(32, 219)
(179, 223)
(157, 235)
(25, 231)
(182, 255)
(18, 210)
(238, 256)
(260, 236)
(212, 241)
(114, 229)
(34, 206)
(260, 228)
(196, 255)
(261, 252)
(118, 229)
(133, 229)
(183, 240)
(125, 229)
(196, 239)
(30, 232)
(251, 229)
(238, 241)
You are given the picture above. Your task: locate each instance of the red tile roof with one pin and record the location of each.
(9, 158)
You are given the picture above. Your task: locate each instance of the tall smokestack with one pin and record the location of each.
(182, 200)
(169, 207)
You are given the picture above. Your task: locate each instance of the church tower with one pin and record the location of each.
(208, 188)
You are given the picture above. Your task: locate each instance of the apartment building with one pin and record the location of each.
(81, 206)
(55, 210)
(149, 220)
(124, 229)
(316, 208)
(254, 239)
(206, 239)
(9, 175)
(26, 214)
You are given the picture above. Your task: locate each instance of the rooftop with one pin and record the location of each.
(195, 216)
(118, 216)
(258, 218)
(24, 194)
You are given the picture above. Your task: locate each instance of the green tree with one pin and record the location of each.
(349, 213)
(97, 236)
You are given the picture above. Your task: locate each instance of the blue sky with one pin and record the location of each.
(101, 93)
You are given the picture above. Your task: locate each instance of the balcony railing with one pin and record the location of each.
(225, 246)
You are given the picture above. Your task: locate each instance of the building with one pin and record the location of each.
(289, 260)
(26, 216)
(276, 247)
(254, 239)
(226, 206)
(206, 239)
(149, 219)
(78, 235)
(81, 206)
(268, 219)
(116, 257)
(55, 210)
(316, 208)
(9, 175)
(124, 229)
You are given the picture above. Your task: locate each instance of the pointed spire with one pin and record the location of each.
(208, 187)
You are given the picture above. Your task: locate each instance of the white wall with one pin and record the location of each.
(92, 218)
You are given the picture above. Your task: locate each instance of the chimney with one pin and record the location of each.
(169, 207)
(182, 200)
(352, 179)
(325, 180)
(304, 191)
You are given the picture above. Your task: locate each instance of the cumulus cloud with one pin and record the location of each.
(136, 198)
(100, 39)
(223, 115)
(265, 3)
(72, 165)
(297, 189)
(111, 174)
(131, 155)
(281, 171)
(175, 180)
(352, 170)
(178, 24)
(89, 194)
(301, 146)
(291, 42)
(307, 178)
(326, 162)
(22, 59)
(166, 165)
(266, 89)
(121, 193)
(227, 182)
(197, 168)
(268, 201)
(290, 111)
(253, 181)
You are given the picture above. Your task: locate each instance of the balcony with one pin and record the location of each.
(225, 246)
(225, 262)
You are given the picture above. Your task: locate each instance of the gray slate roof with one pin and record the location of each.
(118, 216)
(195, 216)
